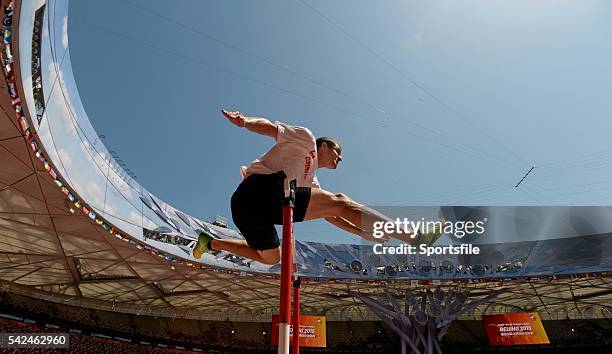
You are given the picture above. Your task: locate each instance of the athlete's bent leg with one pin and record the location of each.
(241, 248)
(325, 204)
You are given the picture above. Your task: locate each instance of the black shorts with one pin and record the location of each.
(257, 205)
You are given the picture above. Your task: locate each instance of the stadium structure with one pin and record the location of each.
(73, 254)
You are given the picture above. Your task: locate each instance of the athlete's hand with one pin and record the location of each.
(236, 118)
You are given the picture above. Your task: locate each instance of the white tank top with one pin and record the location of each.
(294, 153)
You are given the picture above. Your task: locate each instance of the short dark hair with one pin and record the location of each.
(331, 142)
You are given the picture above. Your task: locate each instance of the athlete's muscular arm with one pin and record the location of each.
(257, 125)
(350, 227)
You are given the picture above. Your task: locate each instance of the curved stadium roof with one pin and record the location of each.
(71, 223)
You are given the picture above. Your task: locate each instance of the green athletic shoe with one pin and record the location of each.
(201, 246)
(430, 237)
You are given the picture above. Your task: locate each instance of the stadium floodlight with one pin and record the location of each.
(391, 270)
(478, 270)
(517, 263)
(425, 266)
(447, 266)
(356, 266)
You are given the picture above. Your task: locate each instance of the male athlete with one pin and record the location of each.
(257, 202)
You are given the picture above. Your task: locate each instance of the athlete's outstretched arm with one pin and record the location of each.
(257, 125)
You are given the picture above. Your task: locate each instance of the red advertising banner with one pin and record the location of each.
(515, 329)
(312, 331)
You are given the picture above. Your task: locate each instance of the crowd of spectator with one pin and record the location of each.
(114, 332)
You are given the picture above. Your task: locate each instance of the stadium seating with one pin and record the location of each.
(112, 332)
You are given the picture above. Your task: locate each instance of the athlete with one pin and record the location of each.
(257, 202)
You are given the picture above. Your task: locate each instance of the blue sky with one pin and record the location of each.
(435, 102)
